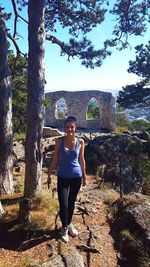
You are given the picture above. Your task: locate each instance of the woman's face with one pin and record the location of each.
(70, 128)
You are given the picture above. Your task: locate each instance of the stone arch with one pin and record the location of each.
(76, 103)
(93, 109)
(61, 108)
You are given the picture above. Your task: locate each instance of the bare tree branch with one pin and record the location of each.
(12, 37)
(15, 43)
(18, 51)
(16, 17)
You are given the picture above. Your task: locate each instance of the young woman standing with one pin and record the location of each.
(70, 162)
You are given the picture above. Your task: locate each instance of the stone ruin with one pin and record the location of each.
(76, 104)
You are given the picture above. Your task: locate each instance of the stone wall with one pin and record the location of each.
(77, 103)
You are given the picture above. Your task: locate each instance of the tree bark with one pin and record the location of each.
(6, 160)
(1, 210)
(35, 98)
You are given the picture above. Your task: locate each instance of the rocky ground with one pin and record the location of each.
(109, 236)
(92, 248)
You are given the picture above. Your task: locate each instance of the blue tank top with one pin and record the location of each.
(68, 161)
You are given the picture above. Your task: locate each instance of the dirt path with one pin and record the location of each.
(94, 242)
(91, 220)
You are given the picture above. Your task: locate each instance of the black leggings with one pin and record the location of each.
(67, 192)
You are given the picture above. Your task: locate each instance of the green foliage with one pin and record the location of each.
(18, 188)
(134, 95)
(138, 94)
(80, 17)
(19, 83)
(19, 136)
(141, 125)
(93, 111)
(121, 129)
(122, 122)
(131, 19)
(77, 19)
(144, 168)
(46, 102)
(92, 162)
(141, 66)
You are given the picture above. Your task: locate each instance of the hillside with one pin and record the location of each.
(113, 231)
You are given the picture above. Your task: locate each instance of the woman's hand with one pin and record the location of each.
(84, 180)
(49, 181)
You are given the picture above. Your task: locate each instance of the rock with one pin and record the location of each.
(116, 152)
(49, 132)
(1, 210)
(74, 259)
(18, 150)
(140, 216)
(144, 135)
(70, 259)
(134, 214)
(126, 132)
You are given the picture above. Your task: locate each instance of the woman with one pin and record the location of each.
(69, 159)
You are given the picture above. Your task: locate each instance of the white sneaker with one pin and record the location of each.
(64, 234)
(72, 230)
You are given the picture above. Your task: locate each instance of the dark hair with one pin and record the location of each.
(70, 119)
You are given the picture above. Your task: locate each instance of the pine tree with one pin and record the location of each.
(6, 163)
(35, 98)
(78, 18)
(138, 94)
(18, 70)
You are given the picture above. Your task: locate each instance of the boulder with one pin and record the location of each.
(134, 214)
(144, 135)
(130, 225)
(50, 132)
(117, 152)
(69, 259)
(18, 151)
(126, 132)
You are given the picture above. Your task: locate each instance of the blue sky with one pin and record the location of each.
(63, 75)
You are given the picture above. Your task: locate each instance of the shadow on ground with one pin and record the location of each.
(14, 237)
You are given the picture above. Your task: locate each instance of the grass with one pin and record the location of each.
(43, 213)
(19, 136)
(18, 188)
(110, 197)
(43, 208)
(121, 129)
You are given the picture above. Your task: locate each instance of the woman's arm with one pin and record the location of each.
(54, 160)
(82, 161)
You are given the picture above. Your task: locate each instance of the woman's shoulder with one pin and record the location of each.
(81, 141)
(58, 140)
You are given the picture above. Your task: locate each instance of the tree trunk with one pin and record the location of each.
(6, 160)
(35, 98)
